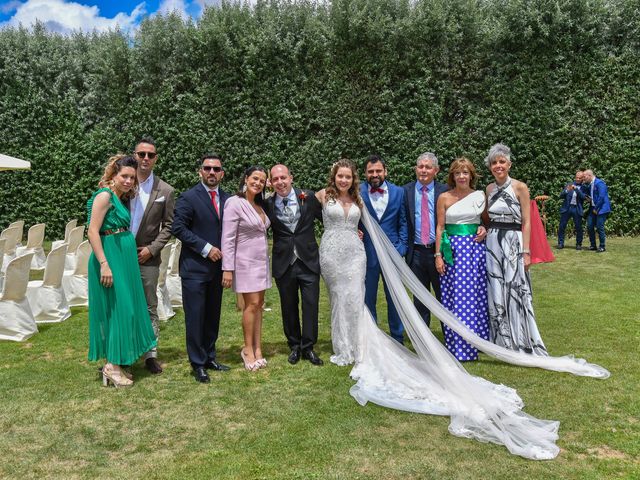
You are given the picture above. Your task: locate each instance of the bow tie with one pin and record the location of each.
(376, 190)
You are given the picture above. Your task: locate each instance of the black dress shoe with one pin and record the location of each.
(312, 357)
(578, 247)
(153, 365)
(294, 356)
(602, 249)
(213, 365)
(201, 375)
(560, 247)
(593, 249)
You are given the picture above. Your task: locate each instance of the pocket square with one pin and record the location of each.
(158, 200)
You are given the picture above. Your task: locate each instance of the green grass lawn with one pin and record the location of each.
(290, 422)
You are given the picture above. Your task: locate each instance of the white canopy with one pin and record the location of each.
(11, 163)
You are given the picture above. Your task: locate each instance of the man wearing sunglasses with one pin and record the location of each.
(198, 225)
(151, 220)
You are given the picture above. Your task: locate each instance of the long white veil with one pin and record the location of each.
(434, 382)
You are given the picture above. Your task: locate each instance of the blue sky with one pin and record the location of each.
(65, 16)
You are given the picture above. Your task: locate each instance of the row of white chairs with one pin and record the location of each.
(24, 303)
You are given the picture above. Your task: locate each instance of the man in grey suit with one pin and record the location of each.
(151, 219)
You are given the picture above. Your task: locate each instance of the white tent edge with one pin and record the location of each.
(11, 163)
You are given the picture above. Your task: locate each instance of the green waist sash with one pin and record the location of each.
(458, 230)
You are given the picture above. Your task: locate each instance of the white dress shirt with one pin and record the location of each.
(292, 203)
(379, 201)
(139, 203)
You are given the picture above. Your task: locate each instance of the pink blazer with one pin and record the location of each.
(244, 246)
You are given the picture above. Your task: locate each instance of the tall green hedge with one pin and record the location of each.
(306, 82)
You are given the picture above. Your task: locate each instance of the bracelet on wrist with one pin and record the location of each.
(103, 262)
(528, 252)
(437, 254)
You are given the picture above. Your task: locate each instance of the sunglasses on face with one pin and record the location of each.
(149, 155)
(208, 169)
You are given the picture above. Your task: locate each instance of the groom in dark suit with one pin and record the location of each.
(198, 225)
(295, 261)
(421, 203)
(386, 205)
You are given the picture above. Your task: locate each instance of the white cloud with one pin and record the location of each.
(10, 6)
(173, 6)
(63, 16)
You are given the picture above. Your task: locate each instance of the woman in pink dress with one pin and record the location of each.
(245, 259)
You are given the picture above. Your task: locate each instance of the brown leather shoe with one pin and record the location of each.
(153, 365)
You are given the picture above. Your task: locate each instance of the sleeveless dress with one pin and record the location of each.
(343, 265)
(512, 323)
(464, 284)
(119, 326)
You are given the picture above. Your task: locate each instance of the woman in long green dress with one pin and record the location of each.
(119, 326)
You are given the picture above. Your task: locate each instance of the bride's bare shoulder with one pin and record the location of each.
(321, 195)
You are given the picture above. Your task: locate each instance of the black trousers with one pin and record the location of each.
(298, 278)
(202, 301)
(423, 265)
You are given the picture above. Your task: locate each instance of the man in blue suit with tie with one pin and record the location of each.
(598, 210)
(385, 203)
(198, 225)
(421, 199)
(572, 197)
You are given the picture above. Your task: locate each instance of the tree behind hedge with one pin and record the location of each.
(307, 83)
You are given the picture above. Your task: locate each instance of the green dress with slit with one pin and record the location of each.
(119, 326)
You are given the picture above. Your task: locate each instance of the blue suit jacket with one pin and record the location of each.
(566, 196)
(393, 222)
(195, 224)
(410, 204)
(600, 197)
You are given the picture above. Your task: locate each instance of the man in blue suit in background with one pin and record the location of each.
(421, 199)
(598, 210)
(572, 196)
(385, 203)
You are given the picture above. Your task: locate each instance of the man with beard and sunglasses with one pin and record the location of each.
(151, 219)
(198, 225)
(386, 204)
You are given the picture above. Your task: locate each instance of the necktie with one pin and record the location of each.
(376, 190)
(425, 219)
(213, 202)
(286, 209)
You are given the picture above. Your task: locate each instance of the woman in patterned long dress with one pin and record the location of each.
(119, 326)
(512, 323)
(461, 257)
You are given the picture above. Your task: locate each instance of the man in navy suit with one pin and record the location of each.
(572, 197)
(598, 210)
(198, 225)
(385, 203)
(421, 197)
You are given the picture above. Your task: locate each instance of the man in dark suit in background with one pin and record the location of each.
(386, 205)
(598, 210)
(295, 261)
(151, 219)
(572, 196)
(421, 197)
(198, 225)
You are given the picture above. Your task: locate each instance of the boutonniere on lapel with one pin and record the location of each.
(302, 197)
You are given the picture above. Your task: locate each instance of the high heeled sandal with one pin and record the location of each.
(115, 378)
(261, 362)
(250, 366)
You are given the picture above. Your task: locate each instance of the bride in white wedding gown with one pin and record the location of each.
(430, 380)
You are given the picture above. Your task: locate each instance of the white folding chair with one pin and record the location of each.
(16, 319)
(35, 237)
(75, 282)
(75, 239)
(46, 297)
(10, 237)
(2, 242)
(165, 310)
(174, 284)
(19, 224)
(71, 224)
